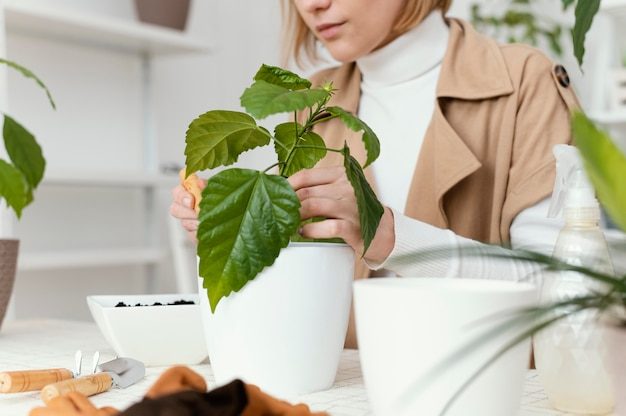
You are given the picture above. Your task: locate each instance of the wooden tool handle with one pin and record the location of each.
(87, 385)
(29, 380)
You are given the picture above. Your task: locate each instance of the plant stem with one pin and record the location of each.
(323, 120)
(279, 143)
(328, 149)
(273, 166)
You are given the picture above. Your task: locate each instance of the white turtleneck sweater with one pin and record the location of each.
(398, 93)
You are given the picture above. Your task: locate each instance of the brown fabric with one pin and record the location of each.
(487, 153)
(180, 391)
(228, 400)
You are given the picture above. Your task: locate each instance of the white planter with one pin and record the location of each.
(406, 326)
(284, 331)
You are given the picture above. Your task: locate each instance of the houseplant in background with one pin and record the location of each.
(19, 177)
(523, 25)
(168, 13)
(282, 330)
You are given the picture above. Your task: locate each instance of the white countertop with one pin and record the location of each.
(52, 343)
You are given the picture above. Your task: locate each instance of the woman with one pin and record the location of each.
(466, 127)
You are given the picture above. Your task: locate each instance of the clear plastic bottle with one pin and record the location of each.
(570, 354)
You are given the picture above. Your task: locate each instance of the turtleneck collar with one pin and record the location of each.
(408, 56)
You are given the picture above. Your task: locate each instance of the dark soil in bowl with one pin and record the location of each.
(176, 302)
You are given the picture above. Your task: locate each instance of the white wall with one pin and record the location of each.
(96, 127)
(99, 118)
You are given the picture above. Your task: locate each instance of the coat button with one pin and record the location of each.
(561, 76)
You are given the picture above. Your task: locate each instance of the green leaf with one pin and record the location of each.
(217, 138)
(281, 77)
(29, 74)
(287, 138)
(13, 188)
(262, 99)
(24, 151)
(370, 209)
(605, 165)
(370, 140)
(246, 218)
(585, 12)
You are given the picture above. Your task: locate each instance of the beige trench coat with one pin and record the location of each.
(487, 153)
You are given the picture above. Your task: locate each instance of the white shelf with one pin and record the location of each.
(110, 179)
(609, 118)
(83, 28)
(88, 258)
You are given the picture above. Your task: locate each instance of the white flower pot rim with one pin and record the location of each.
(447, 284)
(315, 244)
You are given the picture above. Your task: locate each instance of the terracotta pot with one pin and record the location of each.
(168, 13)
(615, 337)
(8, 261)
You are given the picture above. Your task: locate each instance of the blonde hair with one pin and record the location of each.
(298, 40)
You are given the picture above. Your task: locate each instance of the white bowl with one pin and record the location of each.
(406, 326)
(155, 335)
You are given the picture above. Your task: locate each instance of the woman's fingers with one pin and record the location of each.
(333, 228)
(316, 176)
(81, 402)
(177, 379)
(336, 190)
(329, 208)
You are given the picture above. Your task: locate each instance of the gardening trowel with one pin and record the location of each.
(31, 380)
(120, 373)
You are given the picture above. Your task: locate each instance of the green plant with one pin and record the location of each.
(522, 25)
(21, 177)
(519, 24)
(606, 167)
(247, 216)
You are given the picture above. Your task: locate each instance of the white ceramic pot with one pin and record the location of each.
(406, 326)
(285, 330)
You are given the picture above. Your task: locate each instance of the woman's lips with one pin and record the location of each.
(328, 30)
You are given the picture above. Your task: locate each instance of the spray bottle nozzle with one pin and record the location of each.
(572, 188)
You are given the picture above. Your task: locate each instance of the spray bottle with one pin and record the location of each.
(570, 353)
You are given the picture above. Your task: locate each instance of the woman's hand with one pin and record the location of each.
(182, 207)
(72, 404)
(326, 192)
(177, 379)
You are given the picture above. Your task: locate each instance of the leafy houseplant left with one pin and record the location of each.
(18, 179)
(285, 318)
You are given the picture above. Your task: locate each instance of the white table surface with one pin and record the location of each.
(52, 343)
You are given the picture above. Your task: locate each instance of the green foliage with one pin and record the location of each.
(29, 74)
(281, 77)
(372, 145)
(370, 209)
(13, 187)
(585, 12)
(24, 151)
(217, 138)
(518, 23)
(263, 99)
(605, 165)
(247, 217)
(311, 148)
(521, 323)
(521, 24)
(19, 179)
